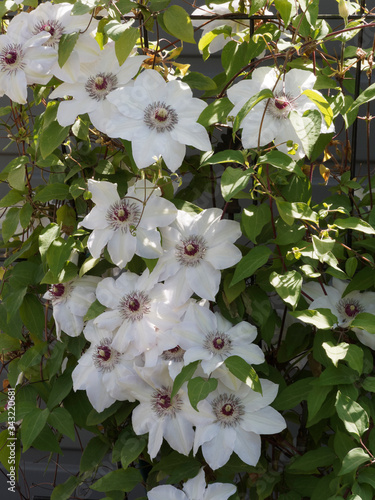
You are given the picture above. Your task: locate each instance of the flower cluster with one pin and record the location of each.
(156, 323)
(147, 110)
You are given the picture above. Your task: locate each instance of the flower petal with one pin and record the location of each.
(247, 446)
(98, 240)
(204, 280)
(121, 247)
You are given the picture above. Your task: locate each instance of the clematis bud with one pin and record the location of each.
(343, 10)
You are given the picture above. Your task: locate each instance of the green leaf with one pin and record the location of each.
(80, 8)
(311, 460)
(10, 223)
(11, 198)
(363, 280)
(89, 264)
(307, 128)
(66, 217)
(251, 262)
(248, 106)
(353, 460)
(55, 191)
(232, 292)
(15, 164)
(355, 418)
(351, 266)
(8, 343)
(333, 376)
(32, 315)
(284, 7)
(228, 156)
(185, 375)
(80, 129)
(199, 388)
(58, 254)
(93, 454)
(253, 220)
(322, 247)
(62, 420)
(51, 134)
(365, 96)
(132, 449)
(65, 490)
(322, 318)
(32, 356)
(315, 399)
(55, 360)
(66, 45)
(369, 384)
(205, 41)
(32, 425)
(60, 389)
(16, 177)
(367, 476)
(292, 395)
(115, 29)
(288, 286)
(94, 310)
(299, 210)
(322, 104)
(281, 160)
(125, 44)
(47, 236)
(68, 273)
(244, 372)
(178, 23)
(25, 215)
(364, 321)
(156, 5)
(233, 181)
(198, 81)
(351, 353)
(47, 441)
(354, 223)
(216, 112)
(122, 480)
(256, 5)
(178, 467)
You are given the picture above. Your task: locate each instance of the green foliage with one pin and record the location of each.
(178, 23)
(244, 372)
(307, 224)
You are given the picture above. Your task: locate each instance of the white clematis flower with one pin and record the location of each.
(23, 63)
(57, 20)
(94, 83)
(210, 338)
(138, 307)
(70, 302)
(197, 247)
(234, 422)
(193, 489)
(159, 414)
(159, 118)
(127, 225)
(100, 370)
(274, 124)
(344, 308)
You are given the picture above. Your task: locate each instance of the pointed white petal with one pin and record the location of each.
(248, 446)
(98, 240)
(204, 280)
(121, 247)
